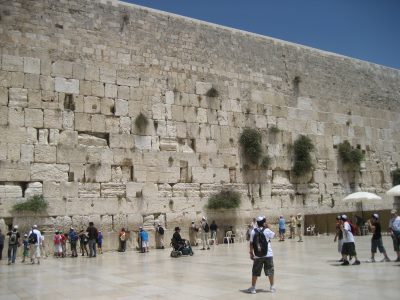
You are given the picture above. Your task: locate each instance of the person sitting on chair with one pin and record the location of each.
(180, 244)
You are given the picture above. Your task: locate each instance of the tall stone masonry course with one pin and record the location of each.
(77, 77)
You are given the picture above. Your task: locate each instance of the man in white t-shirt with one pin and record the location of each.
(348, 248)
(35, 246)
(261, 254)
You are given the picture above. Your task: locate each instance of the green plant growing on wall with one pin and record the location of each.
(34, 205)
(141, 122)
(224, 199)
(350, 156)
(265, 162)
(302, 157)
(274, 130)
(212, 92)
(396, 176)
(250, 140)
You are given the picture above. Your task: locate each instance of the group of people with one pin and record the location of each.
(34, 246)
(345, 232)
(204, 229)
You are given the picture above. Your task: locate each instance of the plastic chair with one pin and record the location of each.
(228, 237)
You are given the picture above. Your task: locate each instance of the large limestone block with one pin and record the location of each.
(78, 71)
(98, 123)
(91, 140)
(62, 69)
(117, 190)
(45, 153)
(51, 189)
(31, 81)
(18, 97)
(121, 107)
(68, 137)
(10, 171)
(31, 65)
(3, 115)
(92, 73)
(127, 77)
(123, 92)
(16, 117)
(12, 63)
(3, 96)
(33, 188)
(53, 118)
(91, 105)
(68, 118)
(69, 189)
(107, 106)
(68, 86)
(121, 141)
(110, 90)
(83, 122)
(77, 172)
(98, 173)
(203, 87)
(27, 153)
(134, 189)
(10, 191)
(33, 118)
(125, 124)
(49, 172)
(71, 154)
(89, 190)
(98, 89)
(34, 99)
(108, 75)
(143, 142)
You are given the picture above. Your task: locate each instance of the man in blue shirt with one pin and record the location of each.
(282, 228)
(144, 239)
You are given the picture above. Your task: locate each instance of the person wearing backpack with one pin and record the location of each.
(34, 239)
(261, 254)
(159, 236)
(13, 244)
(205, 229)
(348, 247)
(73, 240)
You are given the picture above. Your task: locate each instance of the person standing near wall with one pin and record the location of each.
(299, 226)
(292, 227)
(376, 241)
(339, 237)
(214, 229)
(122, 240)
(13, 244)
(282, 228)
(193, 230)
(2, 238)
(394, 230)
(205, 229)
(349, 246)
(159, 236)
(92, 235)
(35, 239)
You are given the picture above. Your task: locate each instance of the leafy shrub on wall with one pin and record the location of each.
(224, 199)
(302, 157)
(350, 156)
(34, 204)
(251, 143)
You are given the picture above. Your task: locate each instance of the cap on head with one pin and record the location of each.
(34, 226)
(261, 220)
(203, 218)
(393, 211)
(25, 235)
(299, 214)
(338, 217)
(16, 227)
(177, 228)
(375, 216)
(344, 217)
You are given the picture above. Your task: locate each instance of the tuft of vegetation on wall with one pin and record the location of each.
(212, 92)
(396, 176)
(251, 143)
(224, 199)
(34, 204)
(265, 162)
(274, 130)
(302, 158)
(141, 122)
(349, 155)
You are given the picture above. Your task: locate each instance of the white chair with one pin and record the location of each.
(228, 237)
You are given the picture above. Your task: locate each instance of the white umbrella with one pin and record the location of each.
(394, 191)
(361, 196)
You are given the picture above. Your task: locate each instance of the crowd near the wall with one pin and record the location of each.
(202, 234)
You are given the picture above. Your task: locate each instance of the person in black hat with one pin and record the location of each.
(180, 244)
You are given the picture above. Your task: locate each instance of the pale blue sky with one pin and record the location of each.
(364, 29)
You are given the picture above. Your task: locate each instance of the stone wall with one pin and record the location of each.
(75, 76)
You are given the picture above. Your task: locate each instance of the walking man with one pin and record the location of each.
(261, 254)
(92, 235)
(292, 227)
(34, 239)
(282, 228)
(205, 229)
(349, 247)
(394, 229)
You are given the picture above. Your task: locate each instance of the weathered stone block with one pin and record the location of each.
(98, 123)
(14, 171)
(69, 154)
(108, 75)
(12, 63)
(31, 81)
(68, 86)
(18, 97)
(123, 92)
(91, 105)
(52, 119)
(61, 69)
(121, 141)
(117, 190)
(33, 118)
(203, 87)
(111, 90)
(127, 77)
(83, 122)
(31, 65)
(89, 190)
(143, 142)
(51, 189)
(98, 89)
(33, 188)
(92, 73)
(3, 96)
(27, 153)
(121, 107)
(107, 106)
(16, 116)
(45, 154)
(69, 189)
(49, 172)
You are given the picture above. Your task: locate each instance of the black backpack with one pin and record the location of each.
(206, 228)
(161, 230)
(260, 243)
(32, 239)
(13, 238)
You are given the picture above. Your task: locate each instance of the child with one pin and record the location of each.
(57, 244)
(26, 247)
(100, 242)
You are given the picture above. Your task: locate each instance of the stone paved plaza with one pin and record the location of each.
(303, 271)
